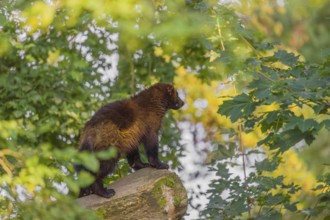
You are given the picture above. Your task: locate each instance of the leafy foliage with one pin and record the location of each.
(62, 60)
(58, 65)
(295, 85)
(281, 80)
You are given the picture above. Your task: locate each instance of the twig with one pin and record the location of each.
(240, 130)
(6, 168)
(242, 147)
(250, 45)
(259, 211)
(9, 152)
(267, 77)
(220, 35)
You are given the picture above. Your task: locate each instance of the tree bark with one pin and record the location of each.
(145, 194)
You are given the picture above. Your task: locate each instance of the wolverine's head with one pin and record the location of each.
(173, 101)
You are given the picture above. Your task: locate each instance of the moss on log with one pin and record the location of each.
(144, 194)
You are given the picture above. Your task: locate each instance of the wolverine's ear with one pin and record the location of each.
(170, 89)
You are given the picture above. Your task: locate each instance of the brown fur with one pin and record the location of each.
(126, 124)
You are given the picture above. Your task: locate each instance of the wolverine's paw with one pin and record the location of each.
(85, 192)
(107, 193)
(138, 166)
(160, 165)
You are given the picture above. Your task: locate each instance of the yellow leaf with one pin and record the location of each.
(30, 187)
(266, 108)
(39, 15)
(250, 139)
(158, 51)
(278, 28)
(295, 171)
(53, 57)
(212, 55)
(306, 111)
(167, 58)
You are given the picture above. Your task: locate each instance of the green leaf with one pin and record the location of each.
(3, 19)
(287, 139)
(265, 46)
(274, 215)
(76, 75)
(222, 171)
(85, 179)
(222, 152)
(325, 53)
(261, 88)
(18, 113)
(301, 123)
(89, 161)
(267, 165)
(272, 116)
(286, 58)
(267, 183)
(239, 107)
(237, 207)
(319, 109)
(274, 120)
(107, 154)
(72, 185)
(274, 199)
(291, 207)
(268, 140)
(325, 198)
(326, 124)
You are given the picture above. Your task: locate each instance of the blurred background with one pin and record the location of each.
(60, 60)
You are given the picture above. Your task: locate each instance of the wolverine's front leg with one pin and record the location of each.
(151, 146)
(134, 160)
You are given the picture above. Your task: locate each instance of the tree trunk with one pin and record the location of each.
(145, 194)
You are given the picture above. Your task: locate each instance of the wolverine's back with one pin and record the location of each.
(116, 124)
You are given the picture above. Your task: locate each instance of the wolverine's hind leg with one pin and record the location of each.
(134, 160)
(87, 147)
(85, 191)
(106, 167)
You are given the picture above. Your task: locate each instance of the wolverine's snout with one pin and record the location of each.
(179, 103)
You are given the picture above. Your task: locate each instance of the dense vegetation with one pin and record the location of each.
(254, 75)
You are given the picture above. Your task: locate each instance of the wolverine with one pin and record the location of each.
(125, 125)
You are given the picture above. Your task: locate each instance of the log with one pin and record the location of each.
(145, 194)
